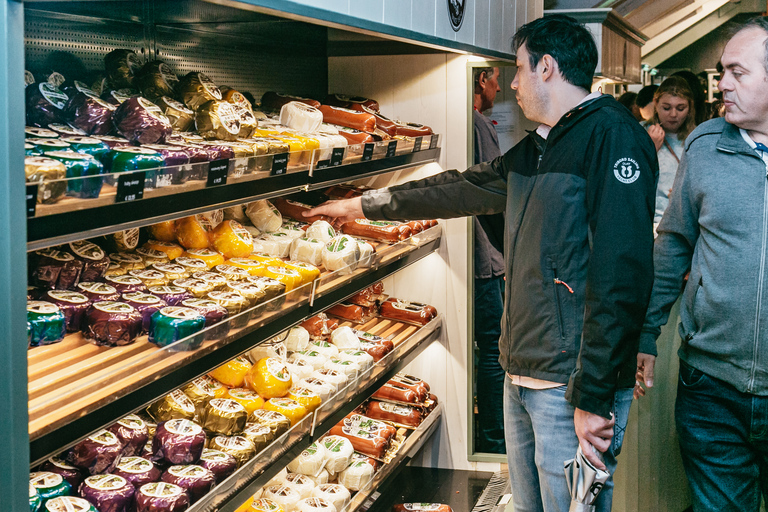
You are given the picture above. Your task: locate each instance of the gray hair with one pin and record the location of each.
(479, 71)
(760, 22)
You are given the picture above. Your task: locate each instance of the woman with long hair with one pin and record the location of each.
(672, 122)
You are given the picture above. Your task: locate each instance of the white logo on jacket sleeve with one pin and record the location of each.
(626, 170)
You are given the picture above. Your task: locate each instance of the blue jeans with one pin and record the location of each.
(540, 437)
(489, 306)
(723, 442)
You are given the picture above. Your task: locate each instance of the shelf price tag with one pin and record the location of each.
(391, 149)
(417, 144)
(368, 152)
(130, 186)
(433, 141)
(218, 171)
(31, 200)
(322, 164)
(337, 157)
(279, 164)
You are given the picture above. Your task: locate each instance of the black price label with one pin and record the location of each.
(130, 186)
(391, 149)
(433, 141)
(417, 144)
(368, 152)
(218, 170)
(31, 200)
(337, 157)
(279, 164)
(323, 164)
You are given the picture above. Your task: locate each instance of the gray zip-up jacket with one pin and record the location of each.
(716, 226)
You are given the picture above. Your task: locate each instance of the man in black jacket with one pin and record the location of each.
(579, 199)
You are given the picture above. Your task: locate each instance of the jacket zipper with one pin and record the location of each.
(751, 385)
(558, 307)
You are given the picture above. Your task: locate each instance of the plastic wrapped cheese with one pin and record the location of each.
(321, 230)
(263, 504)
(324, 390)
(241, 448)
(141, 121)
(345, 338)
(286, 497)
(272, 348)
(232, 373)
(263, 215)
(295, 339)
(341, 254)
(359, 357)
(309, 462)
(300, 483)
(300, 116)
(338, 379)
(196, 88)
(336, 494)
(366, 254)
(156, 79)
(338, 451)
(357, 475)
(321, 478)
(325, 348)
(315, 359)
(348, 368)
(300, 369)
(270, 378)
(315, 505)
(309, 250)
(192, 232)
(231, 240)
(306, 397)
(218, 120)
(291, 409)
(237, 213)
(307, 271)
(275, 243)
(224, 416)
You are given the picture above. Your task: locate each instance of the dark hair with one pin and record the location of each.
(479, 71)
(567, 41)
(678, 86)
(628, 99)
(645, 96)
(762, 23)
(699, 97)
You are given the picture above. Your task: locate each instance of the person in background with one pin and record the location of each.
(489, 277)
(578, 194)
(644, 101)
(672, 123)
(715, 229)
(628, 100)
(699, 95)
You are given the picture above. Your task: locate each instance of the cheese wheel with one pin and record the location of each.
(348, 368)
(315, 359)
(272, 348)
(366, 254)
(259, 435)
(270, 378)
(232, 374)
(336, 494)
(338, 379)
(241, 448)
(286, 497)
(247, 398)
(170, 249)
(265, 259)
(254, 267)
(357, 475)
(325, 348)
(163, 231)
(300, 116)
(321, 478)
(211, 258)
(291, 409)
(321, 230)
(315, 505)
(253, 230)
(359, 357)
(300, 369)
(263, 505)
(309, 462)
(294, 339)
(232, 240)
(338, 451)
(275, 243)
(345, 338)
(324, 390)
(263, 215)
(341, 255)
(293, 230)
(224, 416)
(308, 250)
(300, 483)
(306, 397)
(288, 276)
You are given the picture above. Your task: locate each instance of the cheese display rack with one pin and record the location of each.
(76, 387)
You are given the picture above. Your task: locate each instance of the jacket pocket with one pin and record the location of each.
(556, 285)
(696, 305)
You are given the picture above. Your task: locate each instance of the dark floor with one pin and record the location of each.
(459, 489)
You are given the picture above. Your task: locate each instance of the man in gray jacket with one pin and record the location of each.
(716, 227)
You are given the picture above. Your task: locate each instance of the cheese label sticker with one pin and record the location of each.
(56, 255)
(205, 253)
(168, 76)
(226, 405)
(210, 88)
(234, 442)
(240, 231)
(29, 78)
(395, 409)
(188, 470)
(207, 384)
(53, 95)
(172, 103)
(160, 490)
(59, 463)
(257, 430)
(67, 296)
(87, 250)
(190, 283)
(183, 427)
(239, 99)
(168, 268)
(229, 269)
(127, 280)
(243, 394)
(141, 298)
(354, 432)
(106, 482)
(68, 504)
(427, 507)
(114, 307)
(229, 117)
(42, 307)
(213, 455)
(215, 279)
(151, 253)
(186, 261)
(246, 262)
(152, 110)
(182, 400)
(264, 505)
(104, 437)
(45, 479)
(135, 465)
(165, 289)
(180, 313)
(32, 491)
(407, 306)
(133, 422)
(278, 370)
(334, 443)
(121, 257)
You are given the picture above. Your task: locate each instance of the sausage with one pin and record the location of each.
(383, 123)
(412, 130)
(416, 226)
(416, 387)
(353, 102)
(387, 231)
(428, 223)
(421, 507)
(397, 392)
(411, 380)
(413, 312)
(402, 414)
(364, 297)
(375, 350)
(362, 121)
(362, 441)
(377, 288)
(360, 422)
(355, 136)
(318, 325)
(294, 209)
(351, 312)
(344, 191)
(431, 404)
(274, 101)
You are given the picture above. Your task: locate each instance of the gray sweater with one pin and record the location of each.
(716, 226)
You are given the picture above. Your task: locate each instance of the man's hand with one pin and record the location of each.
(594, 432)
(644, 374)
(343, 210)
(657, 135)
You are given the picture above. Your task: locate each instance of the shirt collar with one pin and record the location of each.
(543, 129)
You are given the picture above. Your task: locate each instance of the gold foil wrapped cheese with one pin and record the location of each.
(200, 393)
(181, 118)
(224, 416)
(218, 120)
(248, 122)
(274, 420)
(47, 173)
(237, 446)
(259, 435)
(196, 88)
(176, 405)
